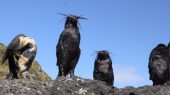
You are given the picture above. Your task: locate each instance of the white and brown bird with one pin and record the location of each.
(20, 53)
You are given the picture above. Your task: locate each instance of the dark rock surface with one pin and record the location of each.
(24, 87)
(61, 86)
(74, 86)
(144, 90)
(79, 86)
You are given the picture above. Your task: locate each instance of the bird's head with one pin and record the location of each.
(102, 54)
(72, 20)
(161, 45)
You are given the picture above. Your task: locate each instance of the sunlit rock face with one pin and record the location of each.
(79, 86)
(144, 90)
(60, 86)
(23, 87)
(74, 86)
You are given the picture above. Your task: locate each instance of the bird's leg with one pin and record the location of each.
(168, 82)
(10, 76)
(72, 73)
(13, 68)
(61, 71)
(22, 76)
(19, 75)
(154, 84)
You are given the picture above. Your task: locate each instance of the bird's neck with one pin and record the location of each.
(71, 26)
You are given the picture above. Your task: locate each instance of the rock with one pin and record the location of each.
(23, 87)
(60, 86)
(74, 86)
(146, 90)
(79, 86)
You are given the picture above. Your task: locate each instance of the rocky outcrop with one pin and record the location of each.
(74, 86)
(79, 86)
(24, 87)
(145, 90)
(61, 86)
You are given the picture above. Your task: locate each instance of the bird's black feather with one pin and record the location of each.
(67, 49)
(103, 70)
(159, 65)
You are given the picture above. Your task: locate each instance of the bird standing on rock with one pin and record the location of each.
(103, 70)
(67, 49)
(159, 65)
(20, 53)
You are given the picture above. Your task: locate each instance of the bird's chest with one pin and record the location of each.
(73, 32)
(103, 66)
(74, 35)
(160, 65)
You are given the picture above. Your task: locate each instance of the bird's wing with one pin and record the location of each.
(74, 58)
(150, 65)
(26, 58)
(12, 47)
(14, 44)
(61, 47)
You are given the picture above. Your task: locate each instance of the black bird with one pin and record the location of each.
(20, 53)
(103, 70)
(159, 65)
(67, 49)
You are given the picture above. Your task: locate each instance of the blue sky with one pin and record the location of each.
(129, 29)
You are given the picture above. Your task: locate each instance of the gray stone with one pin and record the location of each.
(74, 86)
(79, 86)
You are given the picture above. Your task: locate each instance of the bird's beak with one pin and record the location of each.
(79, 17)
(63, 14)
